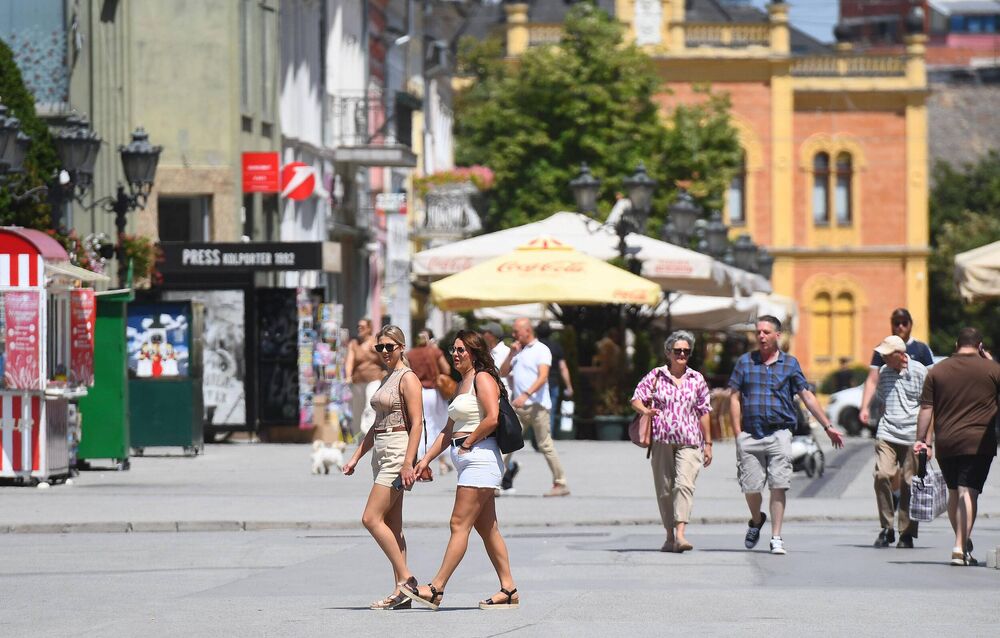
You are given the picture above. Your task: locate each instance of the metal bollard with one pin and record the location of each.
(991, 558)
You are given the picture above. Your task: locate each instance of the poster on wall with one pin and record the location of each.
(223, 383)
(307, 341)
(22, 366)
(82, 319)
(158, 340)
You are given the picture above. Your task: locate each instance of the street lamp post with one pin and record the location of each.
(684, 212)
(745, 253)
(585, 188)
(139, 160)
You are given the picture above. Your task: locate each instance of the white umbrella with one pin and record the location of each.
(977, 272)
(670, 266)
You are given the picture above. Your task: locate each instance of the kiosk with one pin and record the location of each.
(46, 341)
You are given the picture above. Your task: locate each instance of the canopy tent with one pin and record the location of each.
(671, 267)
(977, 272)
(691, 312)
(543, 270)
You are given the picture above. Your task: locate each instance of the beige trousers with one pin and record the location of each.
(889, 457)
(537, 418)
(675, 470)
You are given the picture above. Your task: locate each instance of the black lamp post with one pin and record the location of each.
(683, 212)
(716, 234)
(745, 253)
(640, 187)
(77, 146)
(765, 263)
(13, 144)
(585, 188)
(139, 160)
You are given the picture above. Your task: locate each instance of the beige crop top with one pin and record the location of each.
(466, 412)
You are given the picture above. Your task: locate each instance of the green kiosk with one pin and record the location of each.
(164, 370)
(104, 431)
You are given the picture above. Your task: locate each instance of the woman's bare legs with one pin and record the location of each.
(383, 518)
(496, 548)
(468, 504)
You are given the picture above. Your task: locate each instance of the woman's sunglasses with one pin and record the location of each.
(458, 349)
(385, 347)
(682, 352)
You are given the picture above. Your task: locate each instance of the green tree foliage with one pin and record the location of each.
(964, 214)
(591, 98)
(42, 161)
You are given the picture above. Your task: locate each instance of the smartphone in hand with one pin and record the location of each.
(398, 483)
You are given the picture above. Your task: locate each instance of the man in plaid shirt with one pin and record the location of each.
(762, 410)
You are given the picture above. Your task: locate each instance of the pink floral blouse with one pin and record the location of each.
(680, 406)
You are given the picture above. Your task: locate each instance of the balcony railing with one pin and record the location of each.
(726, 35)
(849, 66)
(367, 120)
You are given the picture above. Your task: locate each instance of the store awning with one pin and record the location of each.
(977, 272)
(68, 270)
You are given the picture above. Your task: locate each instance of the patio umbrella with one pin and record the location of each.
(542, 271)
(672, 267)
(977, 272)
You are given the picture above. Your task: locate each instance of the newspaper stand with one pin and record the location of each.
(41, 367)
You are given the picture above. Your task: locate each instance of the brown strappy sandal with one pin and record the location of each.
(510, 604)
(413, 593)
(397, 600)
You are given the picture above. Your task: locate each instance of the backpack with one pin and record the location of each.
(510, 436)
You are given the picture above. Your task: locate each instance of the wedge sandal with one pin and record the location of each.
(413, 593)
(510, 604)
(396, 601)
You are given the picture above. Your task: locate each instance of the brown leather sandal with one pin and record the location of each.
(413, 593)
(397, 600)
(510, 604)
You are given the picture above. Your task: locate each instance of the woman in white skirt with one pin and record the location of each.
(470, 436)
(395, 436)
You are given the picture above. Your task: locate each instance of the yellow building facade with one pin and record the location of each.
(835, 176)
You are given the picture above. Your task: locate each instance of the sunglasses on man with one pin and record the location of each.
(385, 347)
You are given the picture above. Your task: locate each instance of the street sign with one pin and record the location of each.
(260, 172)
(298, 181)
(391, 202)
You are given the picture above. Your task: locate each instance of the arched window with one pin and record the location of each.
(822, 325)
(821, 189)
(842, 189)
(736, 195)
(843, 326)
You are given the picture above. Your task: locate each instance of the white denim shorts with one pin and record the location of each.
(482, 467)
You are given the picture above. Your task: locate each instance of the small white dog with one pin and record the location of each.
(326, 454)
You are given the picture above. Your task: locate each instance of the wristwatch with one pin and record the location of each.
(467, 449)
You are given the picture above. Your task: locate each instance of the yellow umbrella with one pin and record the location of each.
(542, 271)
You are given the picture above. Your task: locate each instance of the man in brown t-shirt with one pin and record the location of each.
(961, 395)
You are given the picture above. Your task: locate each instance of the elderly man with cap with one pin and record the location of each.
(895, 410)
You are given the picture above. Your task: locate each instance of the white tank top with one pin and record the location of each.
(464, 410)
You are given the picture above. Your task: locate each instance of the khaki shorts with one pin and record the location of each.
(388, 456)
(764, 460)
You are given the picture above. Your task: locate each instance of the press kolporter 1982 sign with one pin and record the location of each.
(187, 257)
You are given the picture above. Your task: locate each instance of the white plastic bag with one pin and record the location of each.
(566, 416)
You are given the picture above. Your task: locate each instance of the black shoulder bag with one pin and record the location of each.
(510, 436)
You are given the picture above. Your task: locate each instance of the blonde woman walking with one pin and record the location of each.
(395, 435)
(677, 398)
(470, 436)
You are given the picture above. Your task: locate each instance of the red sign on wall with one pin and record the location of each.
(82, 318)
(22, 364)
(298, 181)
(260, 173)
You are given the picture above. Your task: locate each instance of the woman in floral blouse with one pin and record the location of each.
(677, 398)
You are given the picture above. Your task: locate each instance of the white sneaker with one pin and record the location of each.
(777, 545)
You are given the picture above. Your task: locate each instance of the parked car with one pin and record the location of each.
(844, 409)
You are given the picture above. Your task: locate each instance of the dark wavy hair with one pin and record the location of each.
(482, 360)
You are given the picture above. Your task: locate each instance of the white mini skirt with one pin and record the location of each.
(482, 467)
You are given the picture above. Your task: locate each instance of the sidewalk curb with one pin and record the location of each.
(117, 527)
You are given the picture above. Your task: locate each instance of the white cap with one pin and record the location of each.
(890, 344)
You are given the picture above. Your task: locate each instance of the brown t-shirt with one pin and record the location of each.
(963, 391)
(367, 364)
(424, 362)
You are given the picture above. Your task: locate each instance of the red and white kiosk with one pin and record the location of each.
(46, 352)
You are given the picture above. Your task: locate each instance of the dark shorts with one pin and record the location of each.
(969, 470)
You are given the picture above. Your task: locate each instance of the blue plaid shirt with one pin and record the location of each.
(767, 392)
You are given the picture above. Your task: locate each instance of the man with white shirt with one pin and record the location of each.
(528, 363)
(493, 336)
